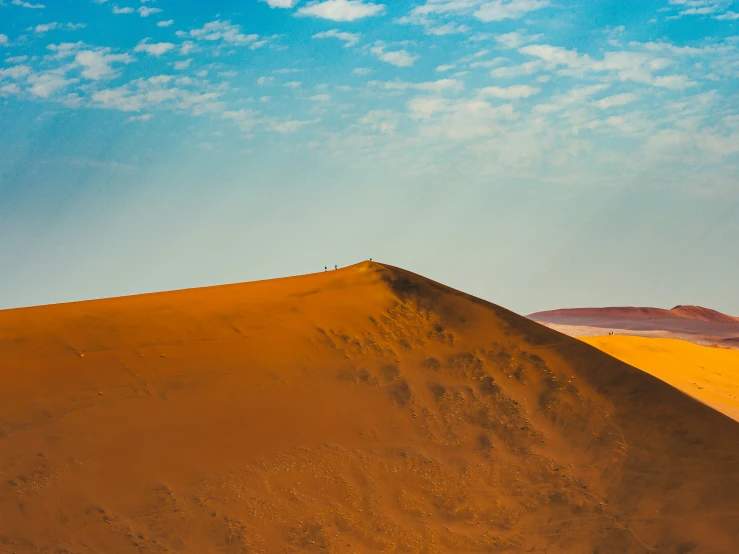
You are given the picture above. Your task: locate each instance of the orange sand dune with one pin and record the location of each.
(709, 374)
(360, 410)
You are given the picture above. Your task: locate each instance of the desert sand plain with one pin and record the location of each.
(361, 410)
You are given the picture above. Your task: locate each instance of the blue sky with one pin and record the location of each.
(536, 153)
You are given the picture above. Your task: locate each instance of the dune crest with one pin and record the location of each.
(361, 410)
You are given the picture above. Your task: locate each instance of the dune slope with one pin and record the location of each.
(360, 410)
(709, 374)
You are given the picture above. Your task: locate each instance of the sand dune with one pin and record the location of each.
(360, 410)
(709, 374)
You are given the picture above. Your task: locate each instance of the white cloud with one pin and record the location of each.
(460, 119)
(145, 11)
(183, 64)
(293, 84)
(45, 27)
(15, 72)
(263, 81)
(398, 58)
(728, 16)
(29, 5)
(384, 121)
(498, 10)
(483, 10)
(245, 119)
(281, 3)
(350, 39)
(527, 68)
(575, 96)
(156, 91)
(167, 23)
(510, 93)
(515, 39)
(361, 71)
(46, 84)
(4, 39)
(117, 10)
(96, 64)
(321, 98)
(342, 10)
(142, 117)
(624, 66)
(447, 29)
(222, 31)
(187, 47)
(429, 86)
(11, 88)
(443, 68)
(616, 100)
(286, 126)
(154, 48)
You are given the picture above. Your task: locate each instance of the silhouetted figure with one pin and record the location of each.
(336, 267)
(325, 268)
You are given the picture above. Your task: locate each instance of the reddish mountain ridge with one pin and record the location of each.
(697, 313)
(692, 323)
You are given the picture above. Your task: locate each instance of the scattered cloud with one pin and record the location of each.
(342, 10)
(498, 10)
(624, 66)
(349, 39)
(509, 93)
(447, 29)
(182, 64)
(162, 92)
(221, 31)
(119, 11)
(45, 85)
(154, 48)
(145, 11)
(286, 126)
(429, 86)
(142, 117)
(281, 3)
(616, 100)
(398, 58)
(28, 5)
(98, 64)
(166, 23)
(383, 121)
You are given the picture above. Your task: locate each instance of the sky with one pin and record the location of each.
(539, 154)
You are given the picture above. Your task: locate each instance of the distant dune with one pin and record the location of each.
(692, 323)
(361, 410)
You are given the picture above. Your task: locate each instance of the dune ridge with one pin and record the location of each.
(678, 312)
(361, 410)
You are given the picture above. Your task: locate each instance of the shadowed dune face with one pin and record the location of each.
(360, 410)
